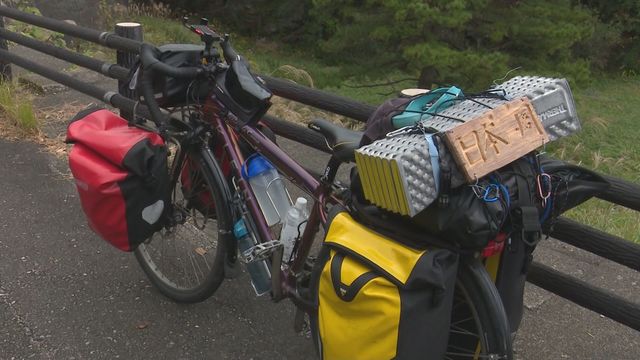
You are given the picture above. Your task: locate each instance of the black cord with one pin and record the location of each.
(296, 242)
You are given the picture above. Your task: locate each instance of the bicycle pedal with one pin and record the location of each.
(261, 251)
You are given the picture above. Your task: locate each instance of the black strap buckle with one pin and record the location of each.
(527, 225)
(445, 187)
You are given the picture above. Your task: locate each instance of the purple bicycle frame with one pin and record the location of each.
(287, 166)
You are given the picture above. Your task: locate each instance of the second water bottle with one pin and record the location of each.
(294, 224)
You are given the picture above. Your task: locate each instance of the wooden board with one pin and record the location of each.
(495, 139)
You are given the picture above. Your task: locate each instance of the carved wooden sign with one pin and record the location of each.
(495, 139)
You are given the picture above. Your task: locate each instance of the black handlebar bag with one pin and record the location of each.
(121, 175)
(169, 91)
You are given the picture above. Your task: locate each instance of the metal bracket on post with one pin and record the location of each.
(5, 67)
(129, 30)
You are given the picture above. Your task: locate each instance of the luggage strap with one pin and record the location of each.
(525, 217)
(347, 292)
(526, 220)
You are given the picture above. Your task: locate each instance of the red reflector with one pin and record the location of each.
(494, 246)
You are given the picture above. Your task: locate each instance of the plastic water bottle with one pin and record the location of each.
(258, 270)
(268, 187)
(295, 216)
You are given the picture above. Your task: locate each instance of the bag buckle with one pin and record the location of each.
(529, 225)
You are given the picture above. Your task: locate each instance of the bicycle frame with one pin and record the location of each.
(284, 282)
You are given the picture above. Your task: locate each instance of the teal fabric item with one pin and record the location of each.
(429, 103)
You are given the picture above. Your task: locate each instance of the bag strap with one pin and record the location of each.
(347, 292)
(525, 217)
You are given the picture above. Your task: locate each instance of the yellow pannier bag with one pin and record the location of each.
(379, 299)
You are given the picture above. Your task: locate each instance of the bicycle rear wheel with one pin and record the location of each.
(185, 260)
(479, 327)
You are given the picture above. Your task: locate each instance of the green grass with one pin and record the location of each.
(17, 108)
(609, 110)
(608, 143)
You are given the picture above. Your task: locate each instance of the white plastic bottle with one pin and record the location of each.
(295, 216)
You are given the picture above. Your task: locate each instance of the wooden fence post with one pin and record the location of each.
(5, 67)
(125, 59)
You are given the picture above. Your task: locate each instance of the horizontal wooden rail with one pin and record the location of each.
(297, 133)
(319, 99)
(586, 295)
(608, 246)
(109, 97)
(107, 69)
(622, 192)
(105, 38)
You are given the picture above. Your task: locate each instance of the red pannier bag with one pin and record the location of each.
(121, 175)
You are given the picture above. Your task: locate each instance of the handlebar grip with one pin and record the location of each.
(230, 54)
(151, 62)
(146, 90)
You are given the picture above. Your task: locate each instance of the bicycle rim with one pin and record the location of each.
(185, 259)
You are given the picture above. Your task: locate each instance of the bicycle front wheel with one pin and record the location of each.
(185, 260)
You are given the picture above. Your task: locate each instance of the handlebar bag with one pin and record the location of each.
(121, 175)
(172, 92)
(378, 299)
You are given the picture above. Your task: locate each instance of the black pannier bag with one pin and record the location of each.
(121, 176)
(472, 220)
(376, 298)
(511, 219)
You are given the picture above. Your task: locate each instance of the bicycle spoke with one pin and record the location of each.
(459, 348)
(462, 321)
(467, 333)
(463, 331)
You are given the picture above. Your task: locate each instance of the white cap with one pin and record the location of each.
(301, 203)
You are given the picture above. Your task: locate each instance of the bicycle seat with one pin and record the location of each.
(343, 142)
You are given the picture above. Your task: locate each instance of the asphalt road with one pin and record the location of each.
(65, 294)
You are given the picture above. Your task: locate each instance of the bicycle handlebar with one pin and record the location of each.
(242, 101)
(151, 62)
(152, 65)
(229, 53)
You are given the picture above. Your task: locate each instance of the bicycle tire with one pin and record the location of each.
(494, 339)
(206, 169)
